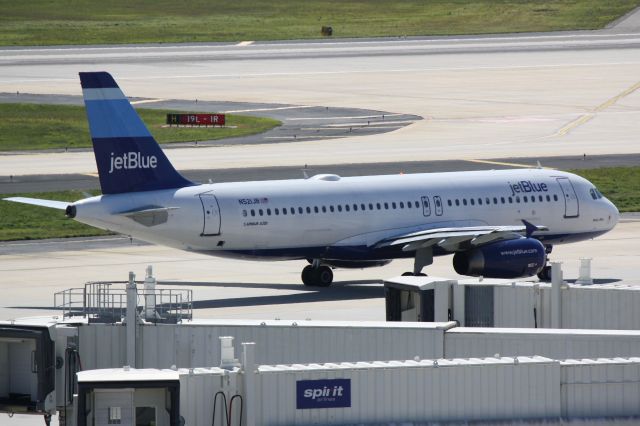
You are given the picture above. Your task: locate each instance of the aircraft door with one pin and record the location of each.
(571, 208)
(437, 202)
(211, 211)
(426, 206)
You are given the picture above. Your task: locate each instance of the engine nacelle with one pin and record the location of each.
(523, 257)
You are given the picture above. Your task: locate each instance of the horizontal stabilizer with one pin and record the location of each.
(60, 205)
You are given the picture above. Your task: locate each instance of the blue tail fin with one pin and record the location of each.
(129, 159)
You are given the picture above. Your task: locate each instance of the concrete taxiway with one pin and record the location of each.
(43, 183)
(481, 97)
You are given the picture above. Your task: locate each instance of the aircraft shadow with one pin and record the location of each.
(337, 293)
(272, 286)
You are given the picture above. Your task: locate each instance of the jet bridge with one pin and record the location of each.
(27, 370)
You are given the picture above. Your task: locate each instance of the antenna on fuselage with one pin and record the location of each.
(539, 165)
(304, 172)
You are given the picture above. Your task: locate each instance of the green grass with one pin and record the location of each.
(23, 222)
(621, 185)
(48, 22)
(37, 126)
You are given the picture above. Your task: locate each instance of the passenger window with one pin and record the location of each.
(362, 207)
(510, 200)
(548, 197)
(309, 210)
(555, 197)
(331, 208)
(370, 206)
(540, 198)
(473, 202)
(268, 212)
(524, 198)
(346, 207)
(495, 200)
(253, 212)
(517, 198)
(260, 212)
(293, 211)
(386, 206)
(339, 208)
(244, 213)
(449, 203)
(324, 209)
(378, 206)
(488, 201)
(417, 205)
(502, 200)
(479, 201)
(464, 201)
(393, 205)
(284, 211)
(277, 212)
(300, 210)
(355, 207)
(315, 209)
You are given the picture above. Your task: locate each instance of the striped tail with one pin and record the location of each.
(128, 158)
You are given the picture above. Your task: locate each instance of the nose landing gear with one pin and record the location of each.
(317, 275)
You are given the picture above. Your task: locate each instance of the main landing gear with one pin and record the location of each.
(316, 275)
(423, 257)
(545, 272)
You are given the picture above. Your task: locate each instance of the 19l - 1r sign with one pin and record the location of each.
(332, 393)
(196, 119)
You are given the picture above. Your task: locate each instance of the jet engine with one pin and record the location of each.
(522, 257)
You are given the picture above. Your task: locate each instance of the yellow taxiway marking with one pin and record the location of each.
(91, 174)
(245, 43)
(588, 116)
(147, 101)
(501, 163)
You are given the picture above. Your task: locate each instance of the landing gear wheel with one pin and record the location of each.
(324, 276)
(545, 274)
(321, 276)
(408, 274)
(307, 275)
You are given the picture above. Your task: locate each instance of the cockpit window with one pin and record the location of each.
(595, 194)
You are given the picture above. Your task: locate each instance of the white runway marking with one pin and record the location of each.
(245, 43)
(268, 109)
(147, 101)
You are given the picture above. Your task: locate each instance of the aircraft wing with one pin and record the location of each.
(60, 205)
(454, 239)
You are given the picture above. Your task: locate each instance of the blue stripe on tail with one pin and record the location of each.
(128, 158)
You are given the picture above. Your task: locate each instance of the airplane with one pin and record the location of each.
(496, 223)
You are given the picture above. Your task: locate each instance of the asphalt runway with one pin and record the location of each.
(44, 183)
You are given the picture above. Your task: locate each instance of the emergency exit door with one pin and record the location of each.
(211, 212)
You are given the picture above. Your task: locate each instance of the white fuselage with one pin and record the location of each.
(320, 216)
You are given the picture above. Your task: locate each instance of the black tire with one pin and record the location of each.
(545, 274)
(308, 275)
(324, 276)
(408, 274)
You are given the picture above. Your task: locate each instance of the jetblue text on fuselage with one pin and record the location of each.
(525, 186)
(132, 160)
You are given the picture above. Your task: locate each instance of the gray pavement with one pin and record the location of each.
(629, 23)
(82, 182)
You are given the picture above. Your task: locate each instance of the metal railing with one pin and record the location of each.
(106, 302)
